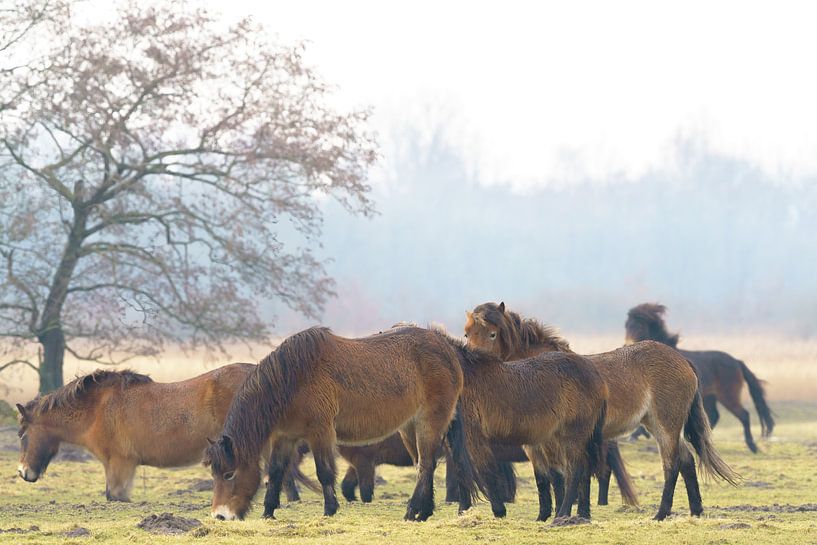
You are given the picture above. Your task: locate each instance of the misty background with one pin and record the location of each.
(573, 160)
(725, 246)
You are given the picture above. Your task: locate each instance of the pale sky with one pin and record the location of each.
(553, 92)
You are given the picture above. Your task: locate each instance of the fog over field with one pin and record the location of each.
(723, 244)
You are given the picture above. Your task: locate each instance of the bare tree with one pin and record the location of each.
(20, 22)
(146, 181)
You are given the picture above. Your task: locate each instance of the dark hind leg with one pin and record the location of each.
(540, 473)
(322, 446)
(452, 491)
(583, 509)
(691, 481)
(558, 482)
(711, 408)
(365, 476)
(604, 482)
(640, 431)
(743, 415)
(428, 436)
(278, 469)
(291, 488)
(668, 447)
(349, 484)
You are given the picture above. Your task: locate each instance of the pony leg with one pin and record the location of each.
(322, 444)
(668, 446)
(572, 478)
(279, 467)
(583, 509)
(734, 406)
(349, 484)
(540, 473)
(558, 482)
(119, 474)
(365, 475)
(711, 408)
(604, 477)
(452, 491)
(691, 481)
(428, 436)
(290, 486)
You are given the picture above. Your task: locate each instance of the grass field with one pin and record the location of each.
(777, 503)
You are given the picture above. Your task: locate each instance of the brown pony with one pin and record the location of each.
(552, 404)
(326, 389)
(126, 420)
(649, 384)
(364, 459)
(722, 376)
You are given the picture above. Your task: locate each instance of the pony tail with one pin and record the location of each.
(595, 446)
(507, 481)
(699, 434)
(625, 482)
(758, 394)
(465, 474)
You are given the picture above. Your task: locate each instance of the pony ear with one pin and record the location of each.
(23, 413)
(502, 306)
(468, 314)
(227, 443)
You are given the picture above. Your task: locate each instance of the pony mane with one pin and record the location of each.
(520, 335)
(77, 390)
(266, 393)
(653, 315)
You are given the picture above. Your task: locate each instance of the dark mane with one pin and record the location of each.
(652, 314)
(75, 392)
(268, 390)
(521, 335)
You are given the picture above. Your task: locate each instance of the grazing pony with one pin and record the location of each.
(649, 383)
(125, 419)
(327, 389)
(722, 376)
(552, 404)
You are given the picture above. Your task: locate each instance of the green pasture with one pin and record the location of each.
(776, 504)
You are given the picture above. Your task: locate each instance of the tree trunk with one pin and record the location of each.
(53, 342)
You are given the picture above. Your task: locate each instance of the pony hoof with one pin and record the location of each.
(542, 518)
(500, 513)
(660, 516)
(330, 510)
(268, 516)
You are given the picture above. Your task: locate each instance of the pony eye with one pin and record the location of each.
(492, 335)
(229, 476)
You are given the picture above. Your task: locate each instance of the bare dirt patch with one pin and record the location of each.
(167, 524)
(569, 521)
(79, 531)
(15, 530)
(734, 526)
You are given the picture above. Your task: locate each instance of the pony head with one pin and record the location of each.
(235, 482)
(39, 443)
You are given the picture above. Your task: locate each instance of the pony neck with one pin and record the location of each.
(68, 426)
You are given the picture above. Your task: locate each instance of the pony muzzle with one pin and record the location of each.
(27, 474)
(222, 512)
